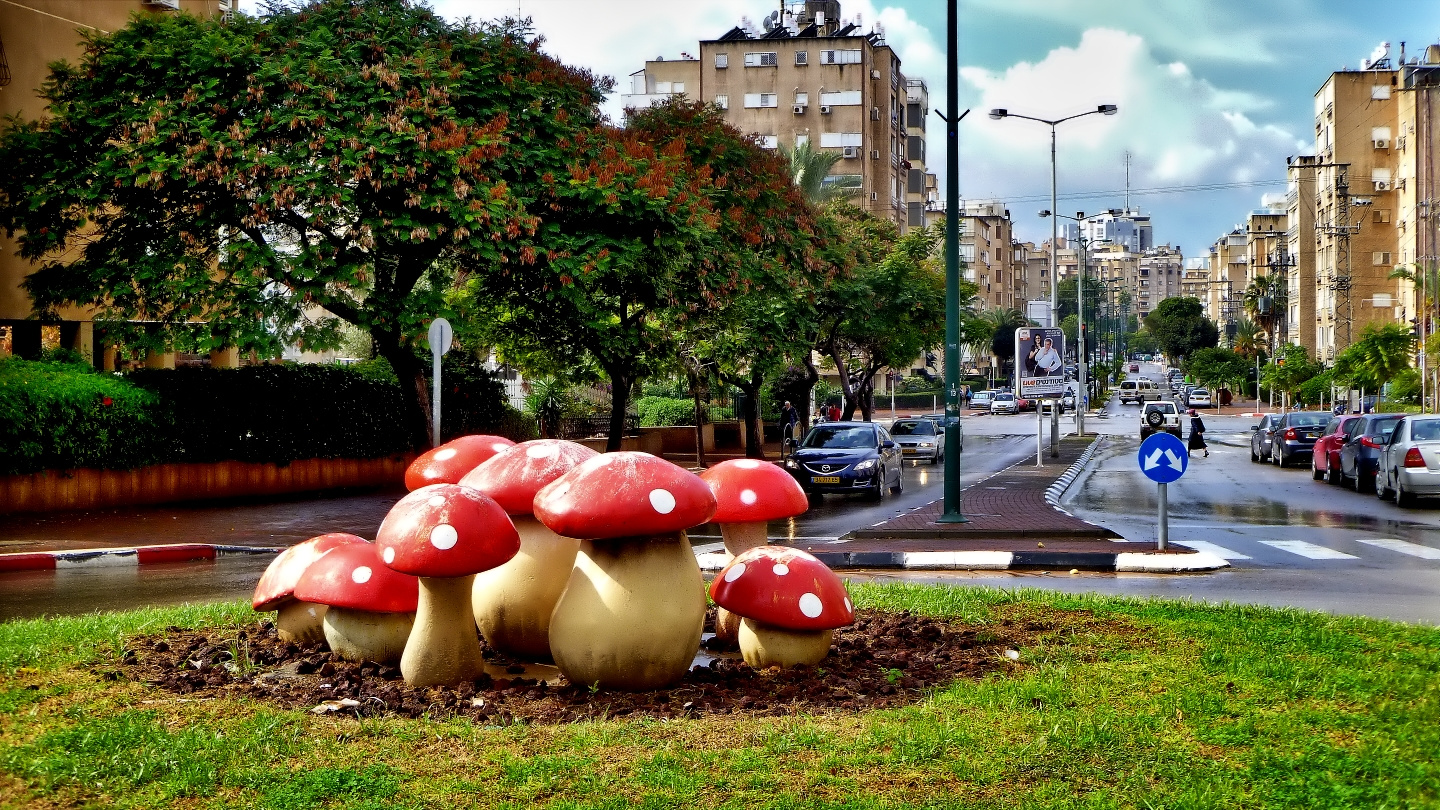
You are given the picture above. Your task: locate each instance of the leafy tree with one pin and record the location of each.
(1215, 366)
(1141, 343)
(1290, 369)
(809, 167)
(1068, 294)
(1249, 338)
(1266, 299)
(1180, 327)
(1382, 352)
(1003, 323)
(247, 182)
(1071, 327)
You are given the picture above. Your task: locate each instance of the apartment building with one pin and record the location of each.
(1229, 266)
(1118, 226)
(1160, 273)
(1037, 271)
(808, 76)
(919, 182)
(1195, 283)
(986, 248)
(1302, 286)
(33, 34)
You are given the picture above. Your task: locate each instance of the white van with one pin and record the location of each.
(1138, 392)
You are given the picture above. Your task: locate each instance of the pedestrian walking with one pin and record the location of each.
(1197, 434)
(834, 413)
(789, 418)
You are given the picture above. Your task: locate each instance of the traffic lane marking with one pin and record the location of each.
(1219, 551)
(1309, 550)
(1402, 547)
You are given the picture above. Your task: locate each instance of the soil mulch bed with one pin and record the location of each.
(883, 660)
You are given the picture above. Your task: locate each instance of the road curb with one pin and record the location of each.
(123, 557)
(1114, 561)
(1056, 490)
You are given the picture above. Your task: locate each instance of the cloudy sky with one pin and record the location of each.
(1212, 93)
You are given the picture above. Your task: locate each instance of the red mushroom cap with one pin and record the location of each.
(449, 462)
(277, 584)
(624, 494)
(784, 587)
(446, 530)
(352, 577)
(515, 474)
(751, 491)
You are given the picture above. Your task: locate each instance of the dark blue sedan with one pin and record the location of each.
(848, 457)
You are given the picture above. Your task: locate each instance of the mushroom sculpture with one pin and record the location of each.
(448, 463)
(790, 602)
(445, 534)
(749, 494)
(633, 610)
(371, 608)
(296, 620)
(513, 603)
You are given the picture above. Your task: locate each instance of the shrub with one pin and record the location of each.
(665, 411)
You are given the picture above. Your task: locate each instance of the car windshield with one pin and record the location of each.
(843, 438)
(1383, 426)
(1162, 407)
(913, 427)
(1427, 430)
(1307, 419)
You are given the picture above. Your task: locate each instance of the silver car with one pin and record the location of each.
(1003, 403)
(1410, 462)
(919, 438)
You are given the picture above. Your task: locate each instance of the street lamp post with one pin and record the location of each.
(952, 116)
(1103, 109)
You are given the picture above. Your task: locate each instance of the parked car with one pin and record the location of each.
(1410, 462)
(980, 400)
(1360, 455)
(1325, 458)
(848, 457)
(918, 438)
(1026, 404)
(1004, 402)
(1294, 436)
(1261, 436)
(941, 421)
(1199, 398)
(1067, 401)
(1159, 417)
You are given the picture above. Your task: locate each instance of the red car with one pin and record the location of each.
(1134, 367)
(1325, 460)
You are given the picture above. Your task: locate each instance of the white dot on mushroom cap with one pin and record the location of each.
(748, 497)
(780, 569)
(736, 571)
(848, 606)
(388, 555)
(446, 454)
(444, 536)
(540, 451)
(662, 500)
(361, 575)
(436, 501)
(810, 605)
(498, 446)
(747, 464)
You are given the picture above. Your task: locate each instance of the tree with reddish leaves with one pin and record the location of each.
(244, 183)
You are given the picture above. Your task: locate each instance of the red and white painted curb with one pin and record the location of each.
(123, 557)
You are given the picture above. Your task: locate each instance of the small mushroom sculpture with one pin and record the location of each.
(513, 603)
(445, 534)
(749, 494)
(448, 463)
(371, 608)
(296, 620)
(790, 602)
(633, 610)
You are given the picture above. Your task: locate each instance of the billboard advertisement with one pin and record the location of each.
(1039, 362)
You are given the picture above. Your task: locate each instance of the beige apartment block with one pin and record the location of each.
(1037, 270)
(1229, 265)
(986, 240)
(1302, 325)
(1196, 281)
(1160, 275)
(920, 183)
(34, 33)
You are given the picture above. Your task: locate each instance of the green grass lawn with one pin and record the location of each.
(1152, 705)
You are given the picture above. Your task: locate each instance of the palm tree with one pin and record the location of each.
(1267, 299)
(1248, 339)
(810, 166)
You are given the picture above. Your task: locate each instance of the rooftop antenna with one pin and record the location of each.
(1127, 181)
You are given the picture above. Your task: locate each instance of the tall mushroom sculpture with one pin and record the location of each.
(513, 603)
(749, 494)
(633, 610)
(371, 608)
(449, 462)
(445, 534)
(296, 620)
(791, 604)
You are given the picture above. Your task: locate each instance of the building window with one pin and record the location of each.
(802, 58)
(769, 141)
(1380, 91)
(761, 59)
(841, 98)
(848, 57)
(801, 140)
(722, 60)
(1380, 258)
(802, 99)
(753, 100)
(833, 140)
(722, 101)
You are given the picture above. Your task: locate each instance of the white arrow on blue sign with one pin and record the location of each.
(1163, 458)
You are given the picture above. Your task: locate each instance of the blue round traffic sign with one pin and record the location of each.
(1163, 458)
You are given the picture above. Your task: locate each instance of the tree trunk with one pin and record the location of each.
(754, 428)
(812, 376)
(620, 383)
(414, 383)
(701, 417)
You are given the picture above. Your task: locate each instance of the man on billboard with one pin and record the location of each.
(1047, 360)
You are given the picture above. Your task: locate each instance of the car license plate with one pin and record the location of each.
(825, 479)
(909, 450)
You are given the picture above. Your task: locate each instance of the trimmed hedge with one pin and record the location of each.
(58, 416)
(669, 412)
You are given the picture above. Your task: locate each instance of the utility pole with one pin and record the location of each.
(952, 117)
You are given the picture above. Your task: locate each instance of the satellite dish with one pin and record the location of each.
(770, 20)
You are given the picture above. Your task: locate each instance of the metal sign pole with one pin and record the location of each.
(1039, 433)
(440, 335)
(1164, 538)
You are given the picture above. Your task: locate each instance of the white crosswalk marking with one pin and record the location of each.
(1219, 551)
(1310, 550)
(1413, 549)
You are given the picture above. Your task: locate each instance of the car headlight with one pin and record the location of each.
(867, 464)
(927, 444)
(792, 464)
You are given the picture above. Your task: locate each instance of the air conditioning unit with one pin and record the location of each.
(799, 109)
(850, 151)
(874, 113)
(171, 4)
(874, 154)
(824, 109)
(1381, 185)
(1381, 143)
(874, 74)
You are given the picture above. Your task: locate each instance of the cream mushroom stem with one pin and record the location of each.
(362, 635)
(764, 645)
(300, 622)
(739, 538)
(513, 602)
(444, 647)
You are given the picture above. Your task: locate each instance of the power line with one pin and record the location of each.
(1154, 190)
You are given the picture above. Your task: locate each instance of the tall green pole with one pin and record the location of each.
(953, 115)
